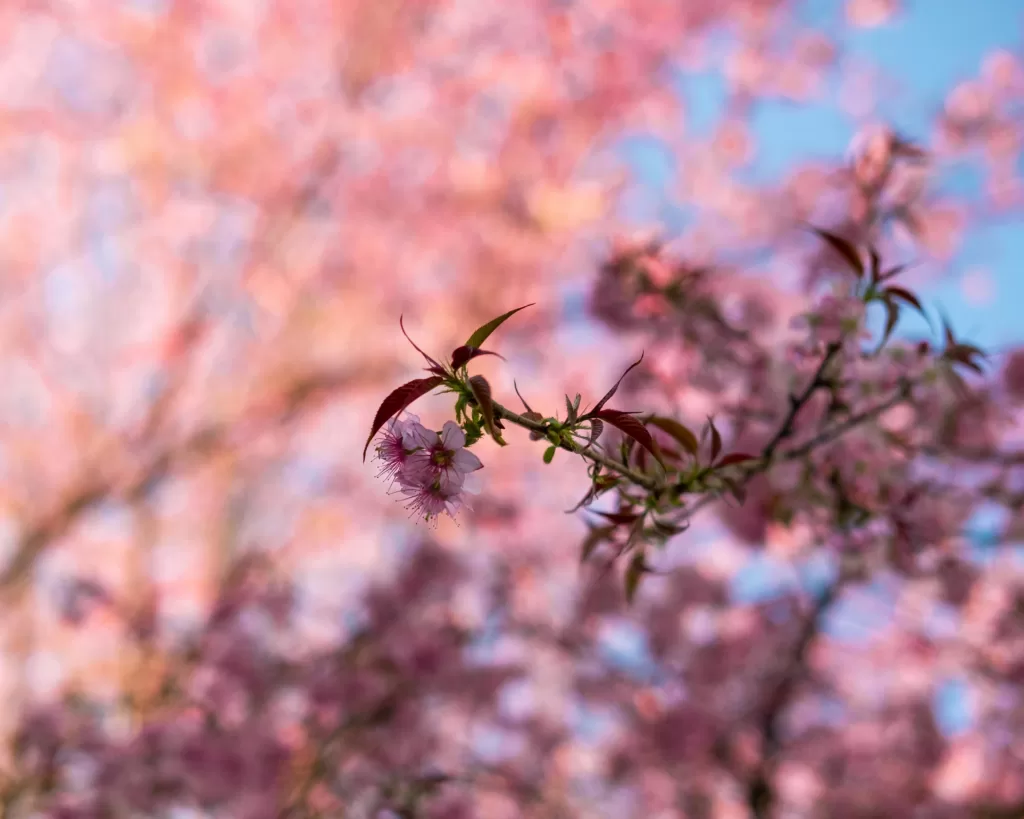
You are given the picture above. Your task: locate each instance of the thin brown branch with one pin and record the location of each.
(299, 396)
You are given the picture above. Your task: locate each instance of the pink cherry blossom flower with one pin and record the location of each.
(436, 455)
(396, 447)
(430, 498)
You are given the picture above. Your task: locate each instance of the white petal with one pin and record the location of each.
(452, 437)
(472, 485)
(416, 435)
(466, 461)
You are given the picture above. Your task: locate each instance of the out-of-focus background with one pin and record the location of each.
(212, 215)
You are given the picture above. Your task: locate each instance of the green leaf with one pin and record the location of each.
(846, 250)
(549, 454)
(481, 334)
(482, 393)
(631, 427)
(680, 433)
(398, 401)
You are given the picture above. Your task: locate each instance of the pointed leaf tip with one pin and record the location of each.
(435, 365)
(682, 434)
(398, 400)
(482, 332)
(464, 354)
(632, 427)
(608, 395)
(846, 250)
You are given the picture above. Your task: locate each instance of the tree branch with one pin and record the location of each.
(760, 795)
(299, 396)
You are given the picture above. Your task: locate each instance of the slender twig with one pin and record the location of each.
(760, 793)
(797, 402)
(646, 481)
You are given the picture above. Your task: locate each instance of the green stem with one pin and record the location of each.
(542, 428)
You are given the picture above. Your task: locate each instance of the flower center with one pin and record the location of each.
(443, 457)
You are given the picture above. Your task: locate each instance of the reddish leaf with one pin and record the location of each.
(906, 296)
(908, 150)
(667, 528)
(736, 458)
(948, 332)
(892, 310)
(619, 517)
(436, 366)
(681, 433)
(483, 332)
(844, 249)
(593, 540)
(631, 427)
(398, 401)
(716, 440)
(596, 428)
(516, 386)
(876, 265)
(964, 354)
(482, 393)
(611, 392)
(461, 355)
(637, 568)
(892, 272)
(735, 488)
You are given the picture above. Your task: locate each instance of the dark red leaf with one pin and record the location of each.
(876, 265)
(611, 392)
(461, 355)
(516, 386)
(593, 540)
(892, 310)
(844, 249)
(906, 296)
(637, 568)
(681, 433)
(435, 364)
(631, 427)
(482, 393)
(398, 401)
(481, 333)
(736, 458)
(716, 440)
(892, 272)
(619, 517)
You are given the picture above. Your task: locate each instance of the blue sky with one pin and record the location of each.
(923, 53)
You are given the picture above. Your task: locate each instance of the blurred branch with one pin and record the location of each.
(760, 795)
(298, 397)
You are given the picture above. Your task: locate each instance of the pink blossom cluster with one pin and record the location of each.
(431, 469)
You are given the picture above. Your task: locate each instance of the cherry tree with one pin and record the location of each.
(226, 223)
